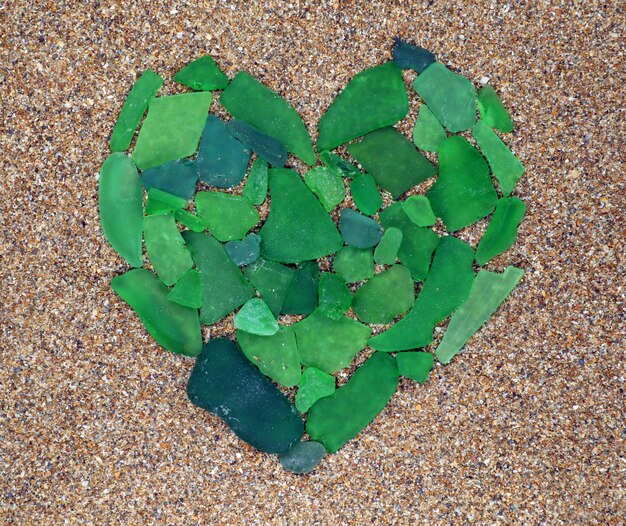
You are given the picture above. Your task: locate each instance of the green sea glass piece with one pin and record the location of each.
(463, 192)
(488, 291)
(202, 74)
(415, 365)
(133, 109)
(245, 251)
(446, 287)
(263, 145)
(386, 252)
(302, 295)
(358, 230)
(345, 168)
(334, 295)
(249, 100)
(392, 160)
(373, 99)
(224, 287)
(428, 131)
(449, 96)
(354, 264)
(225, 383)
(409, 56)
(314, 384)
(504, 165)
(418, 209)
(256, 184)
(338, 418)
(297, 228)
(191, 221)
(173, 326)
(303, 457)
(255, 317)
(187, 290)
(365, 193)
(329, 344)
(120, 201)
(327, 185)
(385, 296)
(175, 177)
(276, 355)
(222, 160)
(492, 111)
(272, 280)
(502, 230)
(160, 202)
(172, 129)
(228, 216)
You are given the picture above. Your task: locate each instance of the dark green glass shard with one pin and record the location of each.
(249, 100)
(187, 290)
(192, 222)
(314, 384)
(373, 99)
(428, 131)
(392, 160)
(463, 192)
(224, 287)
(225, 383)
(256, 184)
(175, 177)
(415, 365)
(263, 145)
(120, 200)
(492, 111)
(302, 295)
(365, 193)
(338, 418)
(245, 251)
(488, 291)
(297, 228)
(272, 280)
(303, 457)
(354, 264)
(255, 317)
(173, 326)
(502, 230)
(160, 202)
(409, 56)
(345, 168)
(358, 230)
(222, 160)
(133, 109)
(228, 216)
(334, 295)
(327, 185)
(386, 251)
(418, 209)
(202, 74)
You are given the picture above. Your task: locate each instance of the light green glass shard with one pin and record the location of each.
(488, 292)
(415, 365)
(255, 317)
(327, 185)
(172, 129)
(418, 209)
(303, 457)
(228, 216)
(334, 295)
(256, 184)
(302, 295)
(373, 99)
(202, 74)
(365, 193)
(272, 280)
(160, 202)
(314, 384)
(187, 290)
(492, 111)
(428, 131)
(192, 222)
(502, 230)
(341, 165)
(386, 251)
(354, 264)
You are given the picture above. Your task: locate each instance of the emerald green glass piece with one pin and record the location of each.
(415, 365)
(276, 355)
(418, 243)
(175, 177)
(446, 287)
(202, 74)
(187, 290)
(303, 457)
(428, 131)
(255, 317)
(488, 291)
(224, 287)
(192, 222)
(160, 202)
(354, 264)
(228, 216)
(334, 295)
(256, 184)
(386, 252)
(329, 344)
(297, 228)
(365, 193)
(272, 280)
(314, 384)
(504, 165)
(409, 56)
(338, 418)
(492, 111)
(133, 109)
(463, 192)
(302, 295)
(418, 209)
(385, 296)
(222, 160)
(358, 230)
(392, 160)
(327, 185)
(373, 99)
(345, 168)
(249, 100)
(172, 129)
(225, 383)
(449, 96)
(173, 326)
(263, 145)
(245, 251)
(502, 230)
(121, 207)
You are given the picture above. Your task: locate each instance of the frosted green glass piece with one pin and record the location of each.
(354, 264)
(415, 365)
(202, 74)
(303, 457)
(341, 165)
(428, 131)
(272, 280)
(302, 295)
(365, 193)
(386, 251)
(175, 177)
(263, 145)
(245, 251)
(358, 230)
(228, 216)
(492, 111)
(502, 230)
(191, 221)
(314, 384)
(327, 185)
(409, 56)
(334, 295)
(255, 317)
(187, 290)
(418, 209)
(256, 184)
(160, 202)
